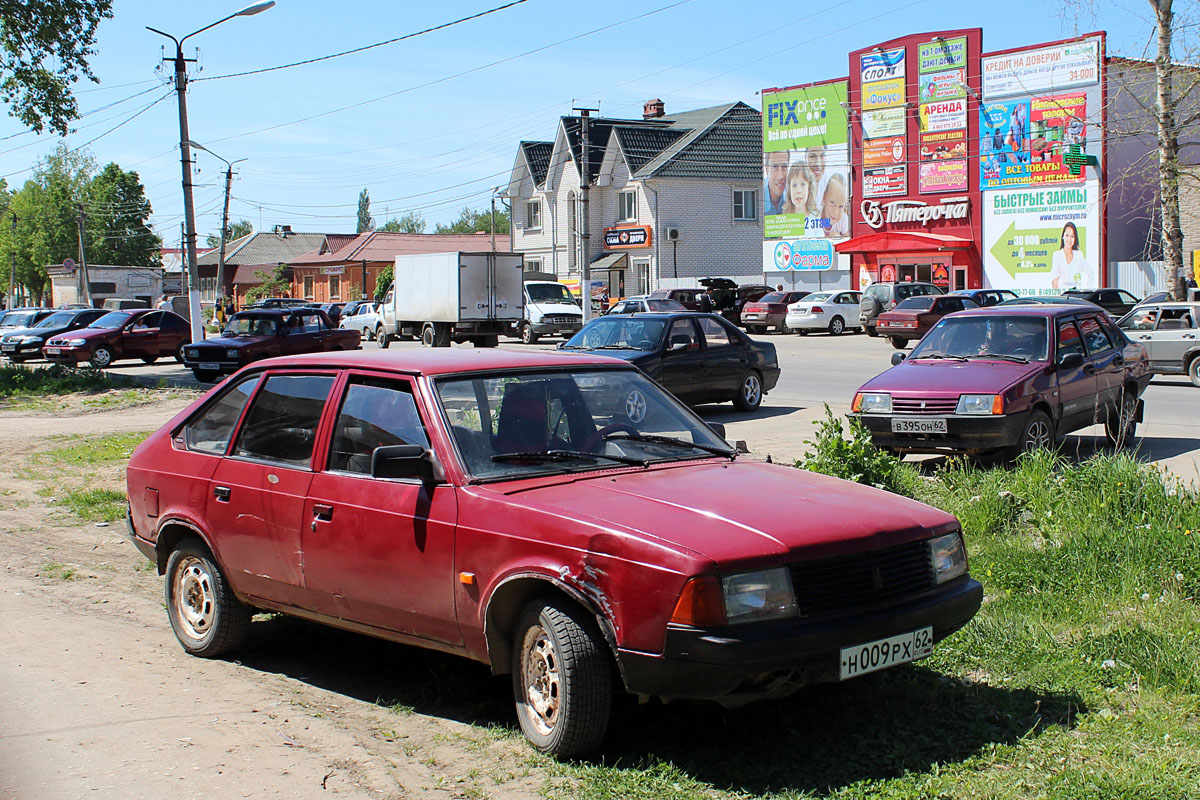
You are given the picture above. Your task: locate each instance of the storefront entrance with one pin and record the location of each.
(927, 269)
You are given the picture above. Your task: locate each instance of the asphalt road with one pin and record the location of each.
(819, 369)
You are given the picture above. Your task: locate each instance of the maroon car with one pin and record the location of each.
(559, 517)
(769, 311)
(912, 318)
(145, 333)
(1009, 379)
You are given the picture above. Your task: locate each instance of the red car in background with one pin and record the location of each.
(770, 311)
(145, 333)
(912, 318)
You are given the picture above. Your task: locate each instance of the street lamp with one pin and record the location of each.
(224, 214)
(189, 215)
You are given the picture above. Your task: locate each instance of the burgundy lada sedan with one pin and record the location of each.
(1009, 379)
(145, 333)
(514, 508)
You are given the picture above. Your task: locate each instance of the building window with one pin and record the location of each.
(308, 287)
(744, 204)
(335, 287)
(533, 214)
(533, 265)
(627, 206)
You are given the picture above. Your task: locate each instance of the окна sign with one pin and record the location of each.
(878, 214)
(626, 238)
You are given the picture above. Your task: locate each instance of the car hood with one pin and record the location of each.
(633, 356)
(555, 308)
(981, 376)
(44, 333)
(91, 334)
(708, 508)
(232, 341)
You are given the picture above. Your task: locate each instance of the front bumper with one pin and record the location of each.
(22, 349)
(552, 328)
(965, 433)
(757, 660)
(67, 355)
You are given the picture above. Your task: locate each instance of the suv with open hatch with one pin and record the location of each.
(880, 297)
(516, 509)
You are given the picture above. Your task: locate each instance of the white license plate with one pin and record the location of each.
(8, 348)
(208, 365)
(53, 350)
(754, 316)
(883, 653)
(918, 424)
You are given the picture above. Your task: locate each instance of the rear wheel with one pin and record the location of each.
(206, 616)
(562, 679)
(1194, 370)
(785, 328)
(750, 393)
(1121, 424)
(836, 326)
(898, 342)
(870, 329)
(366, 333)
(149, 359)
(179, 354)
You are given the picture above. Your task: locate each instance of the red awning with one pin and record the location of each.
(903, 242)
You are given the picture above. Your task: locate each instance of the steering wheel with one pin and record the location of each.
(644, 344)
(597, 438)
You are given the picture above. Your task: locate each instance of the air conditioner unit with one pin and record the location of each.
(672, 234)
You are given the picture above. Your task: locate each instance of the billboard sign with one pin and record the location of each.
(1045, 69)
(944, 115)
(1042, 240)
(942, 176)
(883, 94)
(942, 54)
(882, 65)
(884, 122)
(885, 181)
(884, 152)
(801, 255)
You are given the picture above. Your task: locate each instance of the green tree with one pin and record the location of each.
(411, 222)
(44, 48)
(236, 231)
(365, 223)
(382, 282)
(117, 223)
(274, 284)
(470, 221)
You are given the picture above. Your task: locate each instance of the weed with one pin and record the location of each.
(95, 505)
(856, 459)
(52, 569)
(17, 381)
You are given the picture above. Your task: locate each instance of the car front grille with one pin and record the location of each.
(565, 319)
(924, 405)
(845, 584)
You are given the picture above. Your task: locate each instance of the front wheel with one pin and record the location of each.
(103, 357)
(366, 333)
(562, 679)
(750, 392)
(527, 334)
(837, 326)
(206, 616)
(1121, 423)
(898, 342)
(381, 336)
(206, 375)
(1038, 434)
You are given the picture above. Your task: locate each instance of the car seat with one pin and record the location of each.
(521, 425)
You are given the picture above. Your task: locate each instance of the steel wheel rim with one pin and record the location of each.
(635, 406)
(541, 681)
(751, 390)
(194, 598)
(1037, 435)
(102, 358)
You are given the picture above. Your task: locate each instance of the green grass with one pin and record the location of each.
(94, 451)
(61, 572)
(25, 382)
(95, 505)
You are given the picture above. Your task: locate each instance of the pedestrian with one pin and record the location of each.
(779, 288)
(230, 310)
(164, 303)
(706, 303)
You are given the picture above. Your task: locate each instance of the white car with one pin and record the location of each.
(834, 311)
(362, 317)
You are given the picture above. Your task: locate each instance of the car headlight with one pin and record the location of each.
(755, 596)
(873, 403)
(949, 557)
(231, 353)
(76, 342)
(30, 340)
(980, 404)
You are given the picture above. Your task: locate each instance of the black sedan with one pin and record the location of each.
(1117, 302)
(700, 358)
(22, 344)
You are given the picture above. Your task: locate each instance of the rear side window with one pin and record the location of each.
(906, 290)
(915, 304)
(1094, 336)
(682, 332)
(281, 425)
(209, 431)
(878, 291)
(715, 334)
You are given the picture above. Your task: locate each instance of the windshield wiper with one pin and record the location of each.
(615, 347)
(939, 355)
(566, 455)
(671, 440)
(1002, 357)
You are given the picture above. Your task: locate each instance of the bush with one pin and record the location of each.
(56, 379)
(856, 459)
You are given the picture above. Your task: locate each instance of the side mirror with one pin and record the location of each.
(718, 429)
(897, 358)
(562, 344)
(405, 461)
(1070, 361)
(678, 347)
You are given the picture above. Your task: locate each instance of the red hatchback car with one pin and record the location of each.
(145, 333)
(520, 509)
(912, 318)
(1009, 379)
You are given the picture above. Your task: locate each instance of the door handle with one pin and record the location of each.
(1189, 336)
(322, 512)
(221, 493)
(1144, 337)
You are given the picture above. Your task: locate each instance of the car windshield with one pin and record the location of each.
(618, 333)
(922, 303)
(664, 305)
(113, 319)
(509, 426)
(57, 320)
(548, 293)
(252, 325)
(817, 297)
(19, 319)
(1021, 338)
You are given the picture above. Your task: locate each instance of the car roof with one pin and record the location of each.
(1030, 310)
(442, 360)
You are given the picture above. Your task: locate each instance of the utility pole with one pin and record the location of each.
(85, 286)
(585, 182)
(224, 235)
(12, 265)
(364, 279)
(493, 219)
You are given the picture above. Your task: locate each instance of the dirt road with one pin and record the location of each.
(98, 700)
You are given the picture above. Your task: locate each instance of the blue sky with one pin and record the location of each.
(404, 122)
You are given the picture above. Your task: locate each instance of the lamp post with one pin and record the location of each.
(224, 214)
(189, 214)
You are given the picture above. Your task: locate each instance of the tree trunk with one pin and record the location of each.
(1168, 151)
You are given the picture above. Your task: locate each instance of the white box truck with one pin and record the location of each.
(550, 308)
(453, 297)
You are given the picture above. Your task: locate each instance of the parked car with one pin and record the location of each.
(1117, 302)
(1170, 332)
(332, 310)
(123, 303)
(985, 298)
(642, 303)
(699, 358)
(834, 311)
(688, 298)
(1048, 300)
(24, 317)
(880, 297)
(1007, 379)
(912, 318)
(497, 506)
(769, 311)
(145, 333)
(255, 335)
(362, 317)
(277, 302)
(22, 344)
(550, 309)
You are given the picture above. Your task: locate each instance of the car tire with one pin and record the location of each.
(1121, 424)
(750, 392)
(206, 375)
(179, 354)
(382, 337)
(562, 679)
(870, 330)
(837, 326)
(16, 359)
(206, 616)
(1193, 370)
(527, 334)
(149, 359)
(785, 329)
(898, 342)
(802, 331)
(102, 357)
(1038, 434)
(367, 335)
